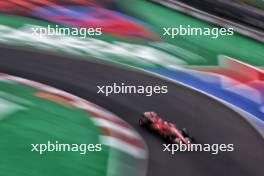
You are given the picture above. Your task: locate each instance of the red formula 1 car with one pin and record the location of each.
(166, 130)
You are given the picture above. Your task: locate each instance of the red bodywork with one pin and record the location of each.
(163, 128)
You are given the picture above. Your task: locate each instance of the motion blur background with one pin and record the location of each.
(228, 69)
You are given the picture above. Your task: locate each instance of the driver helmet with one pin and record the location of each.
(153, 114)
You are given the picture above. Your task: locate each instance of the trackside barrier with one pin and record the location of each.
(243, 69)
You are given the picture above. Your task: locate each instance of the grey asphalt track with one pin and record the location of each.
(208, 120)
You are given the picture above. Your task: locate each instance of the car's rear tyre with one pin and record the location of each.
(144, 121)
(185, 132)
